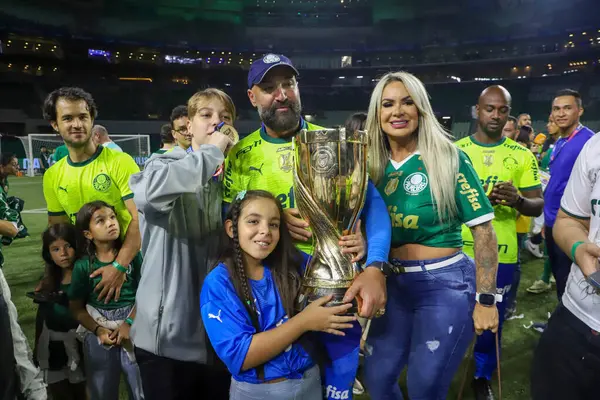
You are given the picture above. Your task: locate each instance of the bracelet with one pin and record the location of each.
(574, 249)
(129, 321)
(96, 330)
(119, 267)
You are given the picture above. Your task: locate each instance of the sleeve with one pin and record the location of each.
(474, 208)
(159, 185)
(6, 212)
(378, 226)
(52, 204)
(226, 322)
(232, 182)
(530, 175)
(121, 171)
(136, 265)
(80, 281)
(576, 198)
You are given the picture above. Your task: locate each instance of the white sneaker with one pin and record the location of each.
(534, 249)
(358, 388)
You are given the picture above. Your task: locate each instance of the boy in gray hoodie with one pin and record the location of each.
(179, 205)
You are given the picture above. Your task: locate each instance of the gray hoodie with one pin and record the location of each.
(180, 220)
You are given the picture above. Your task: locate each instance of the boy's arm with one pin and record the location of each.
(161, 184)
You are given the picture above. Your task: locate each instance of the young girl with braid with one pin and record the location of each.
(247, 306)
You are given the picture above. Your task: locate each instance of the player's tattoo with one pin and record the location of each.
(486, 257)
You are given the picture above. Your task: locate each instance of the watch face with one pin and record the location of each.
(487, 299)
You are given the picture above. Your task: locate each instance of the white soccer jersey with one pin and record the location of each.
(582, 200)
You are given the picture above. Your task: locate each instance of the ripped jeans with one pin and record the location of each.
(427, 325)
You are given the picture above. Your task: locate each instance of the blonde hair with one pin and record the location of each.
(439, 154)
(209, 94)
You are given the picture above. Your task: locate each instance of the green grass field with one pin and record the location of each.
(23, 268)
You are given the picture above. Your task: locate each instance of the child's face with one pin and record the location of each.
(104, 226)
(62, 253)
(211, 113)
(258, 228)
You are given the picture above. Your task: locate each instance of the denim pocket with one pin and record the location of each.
(457, 276)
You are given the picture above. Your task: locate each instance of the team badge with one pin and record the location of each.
(391, 186)
(415, 183)
(488, 160)
(285, 162)
(101, 182)
(271, 58)
(510, 163)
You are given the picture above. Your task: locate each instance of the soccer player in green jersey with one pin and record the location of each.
(430, 189)
(509, 173)
(264, 160)
(89, 173)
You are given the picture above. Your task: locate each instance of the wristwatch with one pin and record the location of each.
(383, 266)
(488, 299)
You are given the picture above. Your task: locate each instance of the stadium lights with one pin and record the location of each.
(341, 77)
(135, 79)
(359, 76)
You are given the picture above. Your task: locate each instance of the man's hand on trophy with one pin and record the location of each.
(370, 286)
(296, 225)
(354, 244)
(317, 317)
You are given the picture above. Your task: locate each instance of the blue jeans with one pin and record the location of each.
(427, 325)
(485, 346)
(103, 366)
(307, 388)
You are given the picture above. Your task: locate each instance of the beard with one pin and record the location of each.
(282, 122)
(78, 144)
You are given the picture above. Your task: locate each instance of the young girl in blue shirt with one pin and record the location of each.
(247, 306)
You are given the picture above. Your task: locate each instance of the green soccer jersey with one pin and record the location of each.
(105, 176)
(406, 191)
(82, 286)
(57, 315)
(501, 162)
(60, 152)
(6, 214)
(261, 162)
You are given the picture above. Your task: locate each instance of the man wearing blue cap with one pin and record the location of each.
(264, 160)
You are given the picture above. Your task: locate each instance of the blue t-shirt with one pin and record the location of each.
(230, 329)
(561, 164)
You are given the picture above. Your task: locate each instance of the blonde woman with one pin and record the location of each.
(430, 189)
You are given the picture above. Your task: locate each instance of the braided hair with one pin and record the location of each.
(284, 262)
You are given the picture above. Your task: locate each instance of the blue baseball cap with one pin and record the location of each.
(259, 68)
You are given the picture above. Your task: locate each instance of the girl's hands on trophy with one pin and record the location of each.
(370, 286)
(296, 225)
(318, 317)
(354, 244)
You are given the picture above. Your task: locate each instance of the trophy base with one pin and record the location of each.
(310, 294)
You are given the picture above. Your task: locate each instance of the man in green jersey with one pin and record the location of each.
(90, 172)
(509, 174)
(264, 160)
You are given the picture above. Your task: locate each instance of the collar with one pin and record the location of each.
(265, 136)
(99, 150)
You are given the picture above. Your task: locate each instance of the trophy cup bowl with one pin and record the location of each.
(330, 185)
